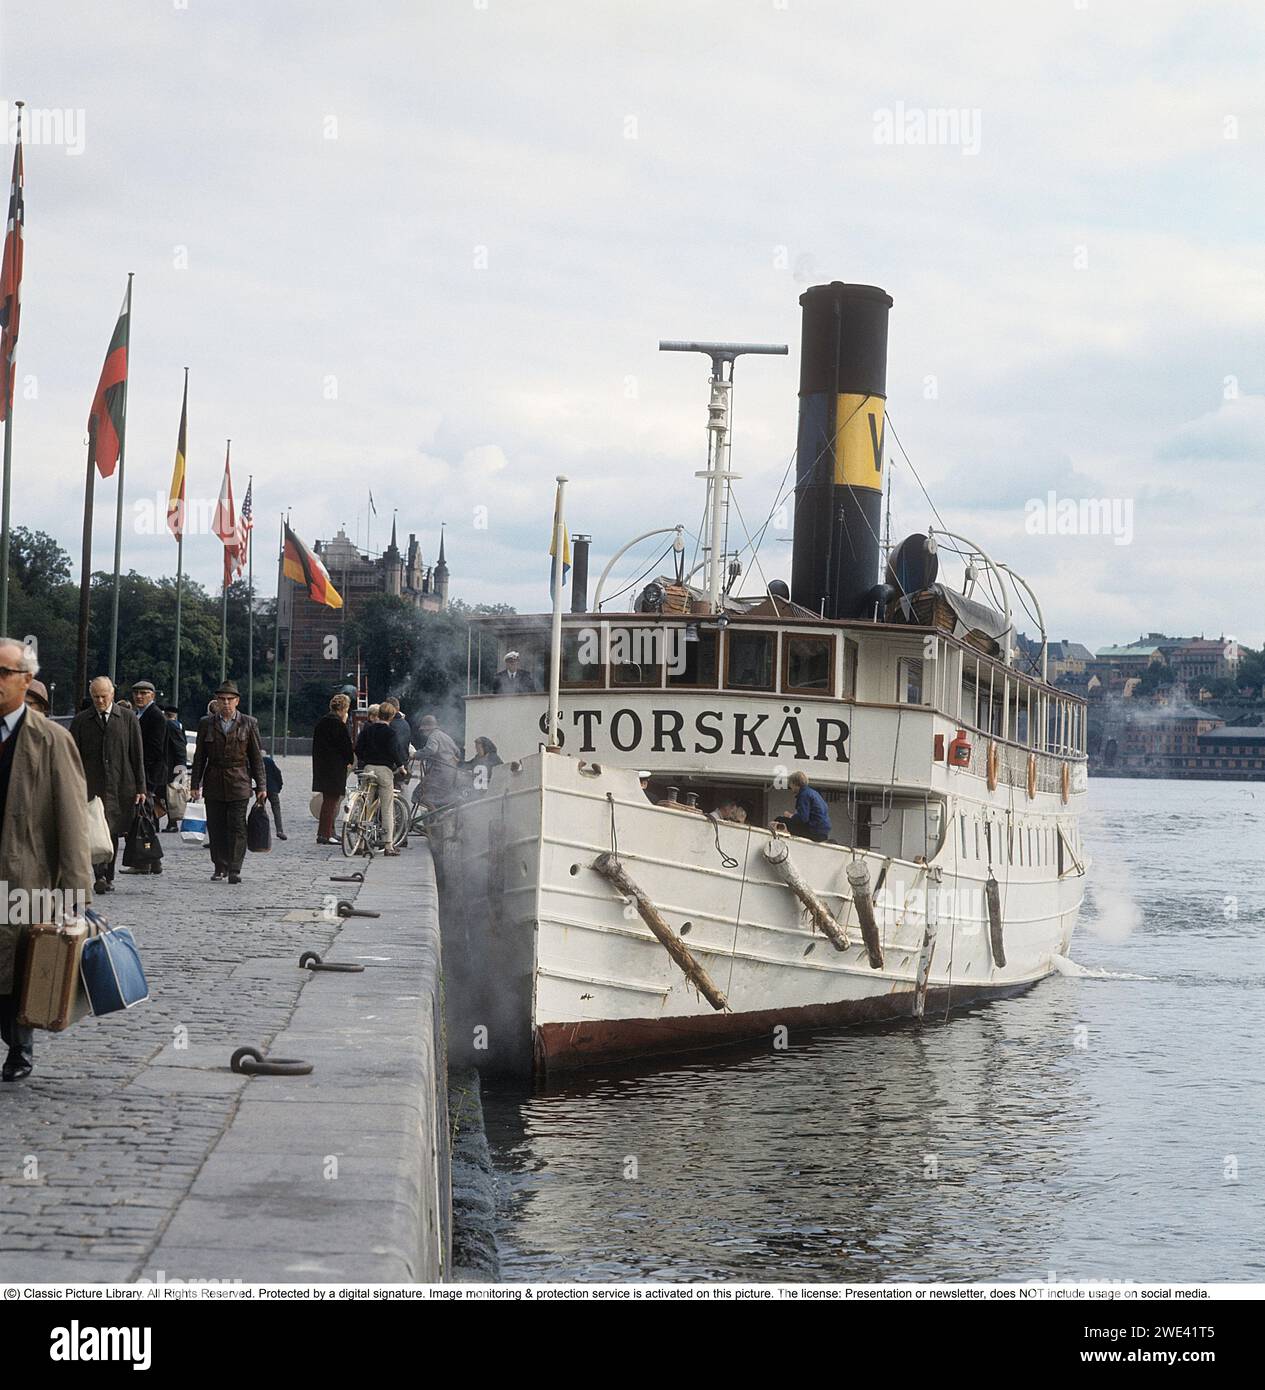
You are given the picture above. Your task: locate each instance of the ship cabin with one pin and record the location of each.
(900, 725)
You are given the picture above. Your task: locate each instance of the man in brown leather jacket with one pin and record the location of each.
(228, 757)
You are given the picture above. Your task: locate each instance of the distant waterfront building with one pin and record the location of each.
(1129, 661)
(319, 652)
(1233, 752)
(1062, 658)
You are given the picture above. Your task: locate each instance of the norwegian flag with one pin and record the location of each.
(11, 282)
(245, 524)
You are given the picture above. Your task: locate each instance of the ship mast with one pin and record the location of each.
(718, 473)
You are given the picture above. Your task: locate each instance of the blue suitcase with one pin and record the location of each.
(110, 969)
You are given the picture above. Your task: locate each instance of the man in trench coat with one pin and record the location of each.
(43, 832)
(109, 742)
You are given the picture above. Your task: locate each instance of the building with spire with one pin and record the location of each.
(358, 575)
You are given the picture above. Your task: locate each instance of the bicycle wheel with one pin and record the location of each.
(353, 836)
(402, 818)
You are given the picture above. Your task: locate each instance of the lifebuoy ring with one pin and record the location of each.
(992, 767)
(1032, 776)
(1067, 783)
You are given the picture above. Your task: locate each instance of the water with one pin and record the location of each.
(1091, 1128)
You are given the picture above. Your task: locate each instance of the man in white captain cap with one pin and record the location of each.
(512, 680)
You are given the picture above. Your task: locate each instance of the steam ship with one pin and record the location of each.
(589, 919)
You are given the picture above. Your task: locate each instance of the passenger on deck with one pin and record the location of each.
(811, 820)
(644, 779)
(732, 811)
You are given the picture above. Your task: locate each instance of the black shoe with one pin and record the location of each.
(109, 885)
(280, 836)
(17, 1066)
(170, 829)
(100, 886)
(155, 868)
(217, 876)
(234, 878)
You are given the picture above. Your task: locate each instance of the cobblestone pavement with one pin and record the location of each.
(103, 1141)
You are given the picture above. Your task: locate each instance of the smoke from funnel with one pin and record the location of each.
(839, 473)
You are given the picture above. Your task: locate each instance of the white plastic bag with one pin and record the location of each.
(101, 843)
(193, 823)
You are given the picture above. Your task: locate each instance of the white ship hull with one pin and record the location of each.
(552, 967)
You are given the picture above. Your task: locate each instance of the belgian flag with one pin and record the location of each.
(301, 565)
(105, 419)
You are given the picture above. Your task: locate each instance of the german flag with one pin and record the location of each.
(106, 418)
(301, 565)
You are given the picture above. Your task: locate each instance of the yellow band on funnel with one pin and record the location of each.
(859, 427)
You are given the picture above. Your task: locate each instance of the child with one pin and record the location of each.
(272, 775)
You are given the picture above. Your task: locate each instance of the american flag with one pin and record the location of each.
(245, 524)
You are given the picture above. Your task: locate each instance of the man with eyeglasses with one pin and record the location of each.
(43, 832)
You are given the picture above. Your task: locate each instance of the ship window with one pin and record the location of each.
(849, 670)
(582, 658)
(636, 656)
(962, 823)
(1021, 847)
(977, 853)
(808, 665)
(908, 681)
(695, 658)
(749, 660)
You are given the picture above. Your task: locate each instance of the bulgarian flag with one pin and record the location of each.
(11, 283)
(304, 567)
(109, 406)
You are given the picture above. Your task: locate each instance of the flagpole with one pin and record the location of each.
(276, 636)
(555, 634)
(285, 737)
(85, 587)
(4, 508)
(183, 443)
(8, 449)
(228, 445)
(118, 515)
(250, 607)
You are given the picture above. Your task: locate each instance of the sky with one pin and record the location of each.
(428, 250)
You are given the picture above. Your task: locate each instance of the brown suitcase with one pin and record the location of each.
(50, 989)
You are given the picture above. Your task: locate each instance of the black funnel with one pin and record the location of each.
(839, 474)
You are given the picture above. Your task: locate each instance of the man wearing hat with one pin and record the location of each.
(153, 743)
(228, 758)
(37, 697)
(512, 680)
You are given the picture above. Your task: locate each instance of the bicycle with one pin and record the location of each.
(363, 832)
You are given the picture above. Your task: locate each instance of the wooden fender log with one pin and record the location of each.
(993, 893)
(614, 872)
(859, 882)
(778, 854)
(932, 917)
